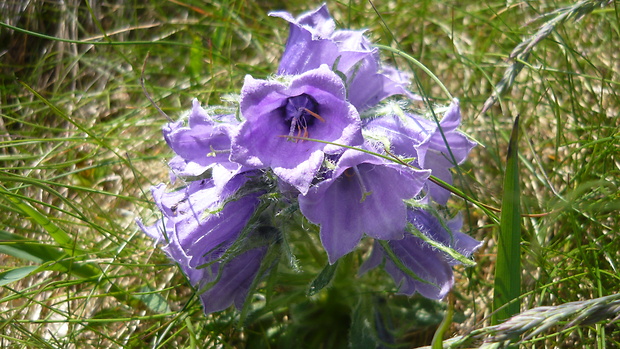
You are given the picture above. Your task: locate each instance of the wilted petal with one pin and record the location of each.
(374, 260)
(422, 260)
(430, 225)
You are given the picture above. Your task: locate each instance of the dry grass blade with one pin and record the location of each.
(521, 53)
(538, 320)
(541, 319)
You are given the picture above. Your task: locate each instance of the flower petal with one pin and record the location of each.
(426, 263)
(431, 267)
(313, 41)
(237, 276)
(205, 142)
(263, 139)
(365, 196)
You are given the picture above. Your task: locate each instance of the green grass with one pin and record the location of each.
(80, 145)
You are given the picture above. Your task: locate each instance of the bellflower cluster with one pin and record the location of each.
(320, 136)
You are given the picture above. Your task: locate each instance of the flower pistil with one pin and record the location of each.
(352, 172)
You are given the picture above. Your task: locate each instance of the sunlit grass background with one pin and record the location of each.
(80, 145)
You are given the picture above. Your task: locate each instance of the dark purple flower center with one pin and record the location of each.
(300, 113)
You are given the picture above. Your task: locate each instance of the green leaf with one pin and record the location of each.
(22, 248)
(507, 287)
(52, 258)
(16, 274)
(324, 278)
(59, 235)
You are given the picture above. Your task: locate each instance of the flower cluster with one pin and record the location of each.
(323, 137)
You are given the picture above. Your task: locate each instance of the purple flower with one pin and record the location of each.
(431, 267)
(203, 143)
(200, 222)
(413, 136)
(235, 277)
(313, 106)
(364, 196)
(313, 41)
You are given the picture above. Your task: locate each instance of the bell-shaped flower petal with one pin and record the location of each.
(235, 279)
(367, 86)
(364, 196)
(431, 267)
(435, 147)
(202, 143)
(200, 222)
(312, 106)
(319, 23)
(313, 41)
(452, 141)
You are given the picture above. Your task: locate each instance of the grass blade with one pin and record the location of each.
(60, 236)
(22, 248)
(53, 258)
(12, 275)
(507, 288)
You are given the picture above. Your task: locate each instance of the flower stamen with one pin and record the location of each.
(314, 114)
(300, 113)
(299, 122)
